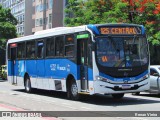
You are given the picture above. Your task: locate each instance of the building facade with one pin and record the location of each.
(22, 10)
(48, 14)
(36, 15)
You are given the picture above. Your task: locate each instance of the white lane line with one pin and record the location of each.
(86, 108)
(66, 104)
(131, 118)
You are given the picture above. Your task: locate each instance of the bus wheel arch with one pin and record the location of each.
(72, 88)
(27, 83)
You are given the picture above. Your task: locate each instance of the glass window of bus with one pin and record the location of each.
(122, 51)
(21, 50)
(50, 52)
(9, 55)
(69, 45)
(40, 49)
(30, 49)
(59, 45)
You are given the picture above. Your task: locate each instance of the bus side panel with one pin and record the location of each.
(57, 71)
(41, 74)
(12, 71)
(90, 81)
(9, 71)
(20, 72)
(31, 69)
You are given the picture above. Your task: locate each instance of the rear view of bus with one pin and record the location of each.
(121, 59)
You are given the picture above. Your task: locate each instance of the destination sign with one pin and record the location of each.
(120, 30)
(13, 45)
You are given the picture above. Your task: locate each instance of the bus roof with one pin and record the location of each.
(66, 30)
(49, 32)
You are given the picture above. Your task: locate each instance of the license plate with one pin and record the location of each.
(126, 86)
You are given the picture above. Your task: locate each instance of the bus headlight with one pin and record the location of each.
(99, 78)
(145, 77)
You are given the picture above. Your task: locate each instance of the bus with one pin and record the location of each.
(90, 59)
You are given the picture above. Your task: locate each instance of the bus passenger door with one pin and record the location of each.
(82, 58)
(13, 65)
(40, 64)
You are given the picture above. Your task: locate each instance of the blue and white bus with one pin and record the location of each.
(90, 59)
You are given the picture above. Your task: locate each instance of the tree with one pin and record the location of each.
(82, 12)
(144, 12)
(7, 26)
(147, 13)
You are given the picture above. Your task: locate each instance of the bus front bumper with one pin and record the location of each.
(101, 87)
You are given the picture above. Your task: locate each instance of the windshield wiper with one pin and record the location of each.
(135, 36)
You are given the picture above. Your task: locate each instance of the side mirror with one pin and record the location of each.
(156, 74)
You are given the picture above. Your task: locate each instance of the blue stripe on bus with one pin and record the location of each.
(49, 68)
(143, 29)
(126, 78)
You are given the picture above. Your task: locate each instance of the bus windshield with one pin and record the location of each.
(121, 51)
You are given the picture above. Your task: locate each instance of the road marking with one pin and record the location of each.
(86, 108)
(11, 108)
(131, 118)
(66, 104)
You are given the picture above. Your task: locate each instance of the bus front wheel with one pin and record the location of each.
(73, 91)
(118, 96)
(28, 87)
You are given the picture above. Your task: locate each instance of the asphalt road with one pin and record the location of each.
(95, 107)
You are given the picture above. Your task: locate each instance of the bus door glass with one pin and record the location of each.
(40, 63)
(13, 48)
(82, 57)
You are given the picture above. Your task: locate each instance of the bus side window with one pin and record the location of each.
(31, 49)
(40, 49)
(69, 45)
(21, 50)
(9, 52)
(50, 47)
(59, 44)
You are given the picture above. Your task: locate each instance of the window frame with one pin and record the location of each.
(24, 50)
(31, 50)
(52, 38)
(68, 45)
(55, 41)
(43, 55)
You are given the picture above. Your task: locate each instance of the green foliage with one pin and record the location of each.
(80, 12)
(7, 26)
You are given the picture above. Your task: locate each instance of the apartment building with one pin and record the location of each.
(36, 15)
(22, 10)
(48, 14)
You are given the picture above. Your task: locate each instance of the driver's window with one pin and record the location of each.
(153, 72)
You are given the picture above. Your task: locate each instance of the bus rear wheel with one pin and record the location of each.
(28, 87)
(118, 96)
(72, 91)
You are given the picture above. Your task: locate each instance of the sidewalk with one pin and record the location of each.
(8, 112)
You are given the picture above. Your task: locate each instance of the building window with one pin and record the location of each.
(41, 22)
(50, 4)
(37, 22)
(50, 18)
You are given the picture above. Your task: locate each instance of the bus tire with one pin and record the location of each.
(72, 92)
(118, 96)
(28, 87)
